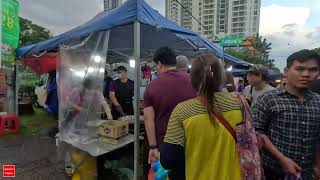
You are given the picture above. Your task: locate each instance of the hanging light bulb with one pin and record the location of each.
(90, 70)
(97, 58)
(132, 63)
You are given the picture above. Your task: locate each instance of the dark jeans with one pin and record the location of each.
(271, 174)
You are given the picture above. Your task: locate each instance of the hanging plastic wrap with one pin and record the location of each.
(80, 78)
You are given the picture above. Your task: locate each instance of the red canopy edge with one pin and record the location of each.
(43, 64)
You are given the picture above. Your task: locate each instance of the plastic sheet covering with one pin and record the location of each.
(80, 81)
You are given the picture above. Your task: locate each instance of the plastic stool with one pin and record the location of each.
(13, 120)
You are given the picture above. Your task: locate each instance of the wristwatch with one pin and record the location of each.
(153, 146)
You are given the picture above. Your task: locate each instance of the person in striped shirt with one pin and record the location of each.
(196, 144)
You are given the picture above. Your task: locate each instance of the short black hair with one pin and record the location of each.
(165, 56)
(303, 56)
(122, 68)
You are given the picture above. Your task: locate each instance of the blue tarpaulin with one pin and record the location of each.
(237, 61)
(243, 72)
(156, 30)
(131, 11)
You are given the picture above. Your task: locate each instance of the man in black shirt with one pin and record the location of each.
(315, 86)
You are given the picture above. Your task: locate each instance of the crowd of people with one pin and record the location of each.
(190, 115)
(182, 115)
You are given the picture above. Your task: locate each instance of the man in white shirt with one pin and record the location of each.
(256, 76)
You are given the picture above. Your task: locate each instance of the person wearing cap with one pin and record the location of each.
(257, 79)
(121, 92)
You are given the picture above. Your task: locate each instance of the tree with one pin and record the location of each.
(317, 50)
(31, 33)
(260, 54)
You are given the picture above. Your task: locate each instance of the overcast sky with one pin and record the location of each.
(290, 25)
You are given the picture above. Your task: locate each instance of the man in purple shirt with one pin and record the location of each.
(121, 93)
(161, 96)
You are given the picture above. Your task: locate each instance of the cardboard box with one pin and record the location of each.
(114, 129)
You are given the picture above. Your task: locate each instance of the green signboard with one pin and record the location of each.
(9, 29)
(231, 41)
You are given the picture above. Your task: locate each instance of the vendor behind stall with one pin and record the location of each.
(121, 94)
(86, 103)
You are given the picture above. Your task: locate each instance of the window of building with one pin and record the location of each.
(255, 18)
(255, 13)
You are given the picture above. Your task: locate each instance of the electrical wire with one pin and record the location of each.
(190, 13)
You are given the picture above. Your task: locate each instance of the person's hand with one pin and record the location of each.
(119, 109)
(261, 141)
(317, 172)
(249, 98)
(290, 167)
(154, 155)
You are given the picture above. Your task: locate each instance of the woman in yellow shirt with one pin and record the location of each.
(197, 146)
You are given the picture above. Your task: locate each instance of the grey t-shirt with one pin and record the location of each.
(256, 93)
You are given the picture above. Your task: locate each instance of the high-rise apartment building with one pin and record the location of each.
(111, 4)
(218, 17)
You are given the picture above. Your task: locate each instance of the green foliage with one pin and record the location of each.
(317, 50)
(31, 33)
(260, 56)
(27, 80)
(122, 168)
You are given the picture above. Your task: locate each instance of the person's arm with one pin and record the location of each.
(112, 96)
(74, 100)
(172, 150)
(260, 113)
(149, 124)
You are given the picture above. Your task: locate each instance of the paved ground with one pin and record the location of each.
(35, 157)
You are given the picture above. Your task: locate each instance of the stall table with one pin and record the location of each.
(96, 149)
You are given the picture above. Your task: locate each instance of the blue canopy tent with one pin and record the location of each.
(120, 21)
(238, 63)
(155, 29)
(272, 74)
(239, 72)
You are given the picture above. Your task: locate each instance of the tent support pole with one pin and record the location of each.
(136, 99)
